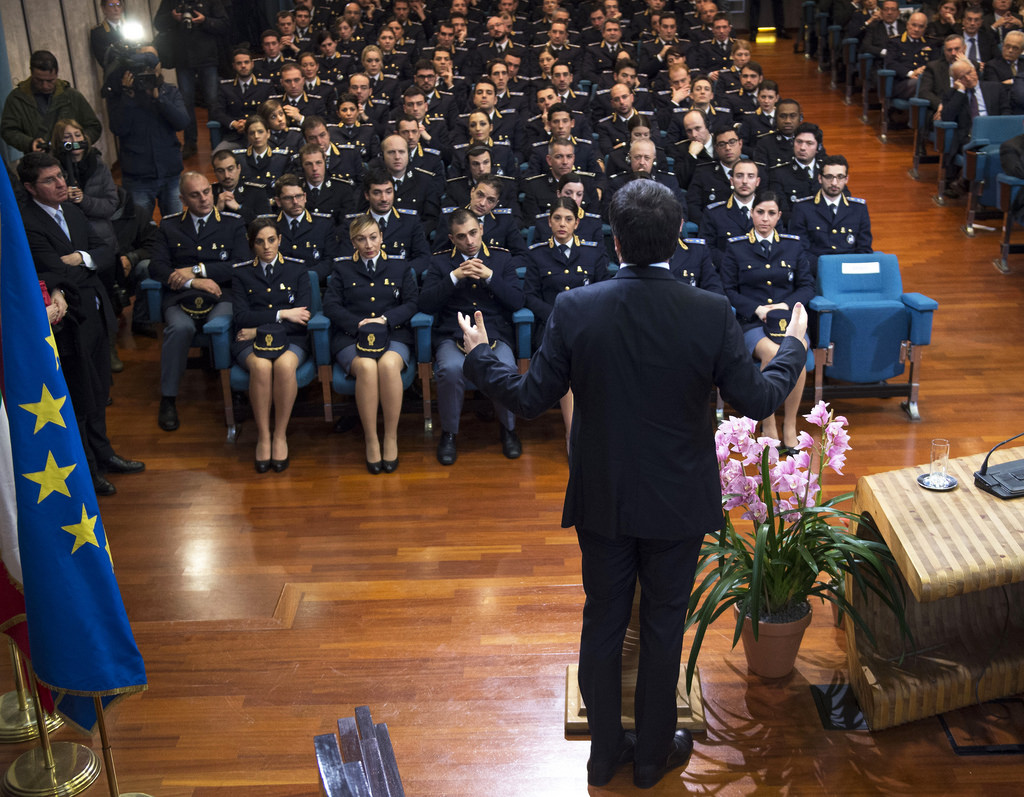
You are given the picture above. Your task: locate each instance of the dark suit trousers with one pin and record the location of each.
(610, 570)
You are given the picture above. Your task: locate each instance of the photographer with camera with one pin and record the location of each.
(193, 29)
(35, 105)
(146, 114)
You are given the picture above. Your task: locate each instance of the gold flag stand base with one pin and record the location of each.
(18, 720)
(75, 769)
(689, 707)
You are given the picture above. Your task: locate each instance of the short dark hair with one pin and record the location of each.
(809, 127)
(240, 51)
(561, 107)
(223, 154)
(645, 217)
(564, 202)
(476, 151)
(753, 66)
(768, 85)
(460, 216)
(790, 101)
(323, 36)
(571, 177)
(720, 16)
(413, 91)
(32, 164)
(271, 33)
(259, 224)
(835, 160)
(348, 96)
(625, 63)
(376, 176)
(312, 122)
(286, 180)
(491, 180)
(309, 149)
(424, 63)
(43, 60)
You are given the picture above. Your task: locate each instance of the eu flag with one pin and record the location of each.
(82, 645)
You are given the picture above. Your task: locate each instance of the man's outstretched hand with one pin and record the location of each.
(473, 336)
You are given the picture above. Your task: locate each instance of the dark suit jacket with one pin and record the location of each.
(934, 82)
(642, 456)
(956, 108)
(876, 38)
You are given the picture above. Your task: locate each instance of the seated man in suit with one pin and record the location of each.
(231, 193)
(695, 149)
(69, 258)
(499, 228)
(642, 162)
(967, 100)
(539, 190)
(981, 41)
(798, 179)
(710, 181)
(193, 257)
(1009, 63)
(466, 278)
(908, 56)
(731, 217)
(238, 99)
(831, 222)
(305, 235)
(935, 80)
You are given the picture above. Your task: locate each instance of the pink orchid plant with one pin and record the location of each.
(796, 545)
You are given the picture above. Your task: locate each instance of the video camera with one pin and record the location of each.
(128, 58)
(188, 9)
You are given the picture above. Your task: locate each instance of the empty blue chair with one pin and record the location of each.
(869, 329)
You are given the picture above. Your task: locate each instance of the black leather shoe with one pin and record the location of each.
(447, 452)
(645, 777)
(103, 487)
(374, 468)
(599, 773)
(118, 464)
(279, 465)
(115, 362)
(510, 445)
(262, 465)
(389, 465)
(168, 415)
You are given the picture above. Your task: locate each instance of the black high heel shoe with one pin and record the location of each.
(389, 465)
(262, 465)
(279, 464)
(374, 467)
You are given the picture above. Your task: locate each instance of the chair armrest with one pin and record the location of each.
(1008, 187)
(921, 308)
(824, 307)
(319, 327)
(153, 293)
(886, 80)
(944, 136)
(219, 330)
(422, 324)
(523, 320)
(919, 113)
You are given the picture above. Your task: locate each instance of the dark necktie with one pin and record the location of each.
(310, 87)
(835, 209)
(564, 249)
(245, 89)
(314, 196)
(975, 110)
(370, 267)
(383, 223)
(972, 49)
(295, 226)
(892, 30)
(268, 268)
(746, 213)
(200, 226)
(766, 247)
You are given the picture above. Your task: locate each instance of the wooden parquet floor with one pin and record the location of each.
(448, 599)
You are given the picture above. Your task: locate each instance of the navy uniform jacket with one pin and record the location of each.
(541, 189)
(719, 118)
(344, 162)
(586, 156)
(313, 242)
(269, 70)
(792, 183)
(266, 168)
(613, 131)
(429, 159)
(692, 263)
(362, 136)
(496, 298)
(752, 127)
(741, 102)
(230, 105)
(256, 298)
(308, 104)
(710, 55)
(824, 234)
(590, 227)
(721, 221)
(252, 199)
(708, 185)
(353, 293)
(290, 139)
(420, 192)
(905, 55)
(328, 94)
(750, 279)
(403, 238)
(505, 127)
(549, 274)
(500, 229)
(598, 59)
(335, 197)
(176, 245)
(773, 149)
(336, 68)
(503, 159)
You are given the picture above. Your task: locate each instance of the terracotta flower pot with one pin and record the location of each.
(773, 654)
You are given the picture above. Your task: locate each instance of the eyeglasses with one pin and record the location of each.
(57, 178)
(833, 178)
(730, 143)
(290, 197)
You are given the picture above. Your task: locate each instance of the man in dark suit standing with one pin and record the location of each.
(68, 257)
(643, 480)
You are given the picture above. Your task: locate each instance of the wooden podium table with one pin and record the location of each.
(961, 554)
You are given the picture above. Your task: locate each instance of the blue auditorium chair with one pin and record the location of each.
(981, 164)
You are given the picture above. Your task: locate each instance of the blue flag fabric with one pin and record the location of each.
(82, 645)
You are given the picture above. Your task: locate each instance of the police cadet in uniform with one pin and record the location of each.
(775, 147)
(731, 217)
(370, 302)
(499, 227)
(238, 99)
(260, 162)
(429, 159)
(468, 277)
(457, 190)
(271, 297)
(193, 256)
(401, 229)
(230, 193)
(692, 263)
(710, 181)
(765, 273)
(326, 195)
(539, 190)
(305, 236)
(344, 161)
(415, 189)
(798, 179)
(589, 226)
(832, 222)
(350, 130)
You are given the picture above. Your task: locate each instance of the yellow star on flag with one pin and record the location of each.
(53, 345)
(51, 479)
(83, 531)
(46, 410)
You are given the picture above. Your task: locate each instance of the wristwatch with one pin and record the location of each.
(198, 270)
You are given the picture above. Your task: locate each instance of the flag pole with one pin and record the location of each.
(17, 714)
(60, 768)
(108, 757)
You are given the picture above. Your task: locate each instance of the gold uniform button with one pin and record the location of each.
(373, 298)
(769, 282)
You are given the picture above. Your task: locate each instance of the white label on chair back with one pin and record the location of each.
(861, 268)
